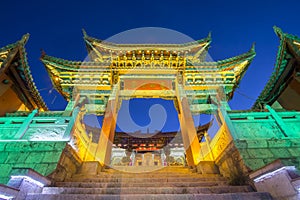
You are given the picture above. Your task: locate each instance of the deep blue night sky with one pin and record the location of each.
(56, 27)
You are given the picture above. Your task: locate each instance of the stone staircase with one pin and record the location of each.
(165, 183)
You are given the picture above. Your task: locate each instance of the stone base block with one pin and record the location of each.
(279, 180)
(7, 192)
(90, 167)
(207, 167)
(25, 181)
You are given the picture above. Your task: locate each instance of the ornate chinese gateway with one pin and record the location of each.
(176, 72)
(258, 143)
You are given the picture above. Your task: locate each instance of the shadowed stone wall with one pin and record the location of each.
(262, 137)
(33, 140)
(253, 140)
(41, 156)
(257, 153)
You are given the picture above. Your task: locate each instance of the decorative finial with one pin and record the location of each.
(84, 33)
(43, 53)
(209, 35)
(253, 47)
(25, 38)
(278, 31)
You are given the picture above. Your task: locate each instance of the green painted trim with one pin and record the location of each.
(25, 125)
(24, 70)
(71, 123)
(227, 122)
(285, 130)
(282, 61)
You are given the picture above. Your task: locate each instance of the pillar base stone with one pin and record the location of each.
(90, 167)
(207, 167)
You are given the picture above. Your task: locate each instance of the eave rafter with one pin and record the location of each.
(4, 52)
(236, 63)
(66, 74)
(226, 73)
(58, 64)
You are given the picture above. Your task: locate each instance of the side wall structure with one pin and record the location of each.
(250, 140)
(263, 137)
(32, 140)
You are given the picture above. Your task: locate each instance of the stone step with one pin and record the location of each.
(133, 184)
(147, 170)
(148, 190)
(158, 175)
(157, 168)
(166, 183)
(227, 196)
(143, 180)
(142, 170)
(183, 171)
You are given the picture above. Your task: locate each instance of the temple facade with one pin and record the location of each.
(252, 145)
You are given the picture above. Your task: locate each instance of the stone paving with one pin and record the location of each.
(166, 183)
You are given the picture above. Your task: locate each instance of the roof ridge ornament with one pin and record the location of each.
(84, 33)
(253, 46)
(209, 36)
(24, 39)
(22, 42)
(278, 31)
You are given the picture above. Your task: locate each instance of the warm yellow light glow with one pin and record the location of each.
(297, 43)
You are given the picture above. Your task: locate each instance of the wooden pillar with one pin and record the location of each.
(74, 102)
(106, 139)
(189, 134)
(222, 114)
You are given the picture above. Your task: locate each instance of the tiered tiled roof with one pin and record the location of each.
(13, 59)
(288, 54)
